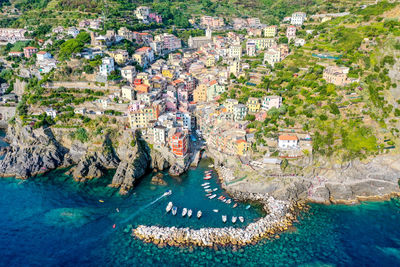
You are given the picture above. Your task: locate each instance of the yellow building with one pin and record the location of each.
(263, 43)
(140, 58)
(210, 62)
(141, 118)
(120, 56)
(229, 104)
(241, 147)
(167, 73)
(270, 31)
(200, 93)
(254, 105)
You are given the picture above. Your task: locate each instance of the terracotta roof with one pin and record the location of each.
(240, 141)
(288, 137)
(213, 82)
(30, 47)
(42, 52)
(144, 49)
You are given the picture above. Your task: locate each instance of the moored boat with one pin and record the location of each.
(215, 211)
(235, 205)
(228, 201)
(174, 210)
(184, 212)
(211, 166)
(208, 190)
(241, 219)
(169, 207)
(199, 213)
(213, 196)
(189, 214)
(205, 184)
(209, 194)
(224, 218)
(215, 189)
(207, 178)
(234, 218)
(248, 207)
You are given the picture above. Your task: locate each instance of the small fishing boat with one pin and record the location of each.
(189, 213)
(248, 207)
(241, 219)
(221, 197)
(101, 201)
(205, 184)
(199, 213)
(215, 211)
(114, 226)
(208, 190)
(224, 200)
(215, 189)
(184, 212)
(209, 194)
(224, 218)
(174, 210)
(235, 205)
(229, 201)
(169, 207)
(213, 196)
(117, 209)
(211, 166)
(168, 192)
(234, 219)
(207, 178)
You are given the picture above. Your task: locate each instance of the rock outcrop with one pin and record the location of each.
(31, 152)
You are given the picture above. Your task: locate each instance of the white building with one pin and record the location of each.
(288, 141)
(160, 133)
(73, 31)
(128, 93)
(51, 113)
(251, 49)
(298, 18)
(43, 55)
(128, 73)
(299, 42)
(271, 101)
(272, 56)
(235, 51)
(107, 66)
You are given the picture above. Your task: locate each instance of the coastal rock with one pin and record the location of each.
(158, 179)
(94, 164)
(31, 152)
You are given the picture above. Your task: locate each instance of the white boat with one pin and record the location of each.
(209, 194)
(224, 218)
(205, 184)
(199, 213)
(234, 218)
(184, 212)
(174, 210)
(169, 207)
(213, 196)
(215, 211)
(167, 193)
(211, 166)
(208, 190)
(241, 219)
(215, 189)
(189, 213)
(228, 201)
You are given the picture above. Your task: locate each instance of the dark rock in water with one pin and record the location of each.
(176, 170)
(31, 152)
(158, 179)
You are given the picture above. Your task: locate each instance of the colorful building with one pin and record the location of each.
(179, 144)
(253, 105)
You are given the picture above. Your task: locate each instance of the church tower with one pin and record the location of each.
(209, 33)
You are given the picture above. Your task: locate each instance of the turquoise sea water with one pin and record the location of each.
(53, 221)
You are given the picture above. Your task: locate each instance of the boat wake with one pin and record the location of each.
(133, 215)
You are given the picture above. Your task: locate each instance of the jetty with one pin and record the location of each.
(279, 217)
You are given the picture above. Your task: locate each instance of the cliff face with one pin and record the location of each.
(31, 152)
(35, 151)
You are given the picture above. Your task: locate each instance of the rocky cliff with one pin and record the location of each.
(36, 151)
(31, 152)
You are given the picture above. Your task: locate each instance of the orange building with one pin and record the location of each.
(142, 88)
(179, 144)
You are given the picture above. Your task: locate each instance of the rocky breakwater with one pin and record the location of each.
(31, 152)
(280, 215)
(136, 158)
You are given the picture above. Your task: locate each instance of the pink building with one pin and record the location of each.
(291, 32)
(261, 116)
